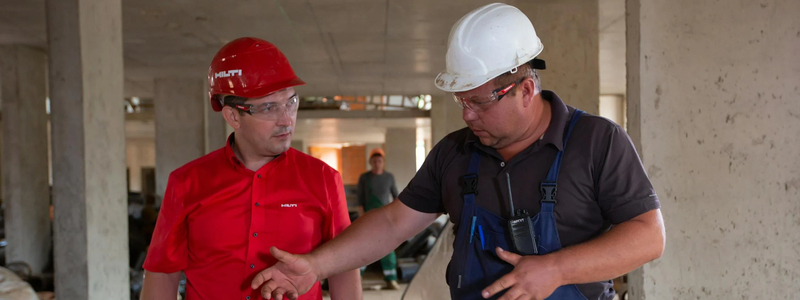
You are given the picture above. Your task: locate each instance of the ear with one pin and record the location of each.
(527, 88)
(232, 116)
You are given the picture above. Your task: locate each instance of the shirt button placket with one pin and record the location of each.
(255, 217)
(502, 164)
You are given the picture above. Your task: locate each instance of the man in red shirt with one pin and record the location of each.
(222, 212)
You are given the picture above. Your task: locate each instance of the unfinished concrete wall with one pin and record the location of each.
(401, 154)
(214, 125)
(180, 126)
(445, 117)
(26, 191)
(569, 31)
(714, 108)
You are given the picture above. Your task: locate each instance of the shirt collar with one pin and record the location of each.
(236, 163)
(230, 154)
(559, 116)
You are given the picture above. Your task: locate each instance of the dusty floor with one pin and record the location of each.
(375, 288)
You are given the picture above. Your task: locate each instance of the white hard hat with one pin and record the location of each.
(486, 43)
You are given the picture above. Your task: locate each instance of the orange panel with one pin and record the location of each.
(354, 163)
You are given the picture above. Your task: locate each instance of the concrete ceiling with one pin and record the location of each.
(338, 46)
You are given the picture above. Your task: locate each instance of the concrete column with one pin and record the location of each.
(180, 126)
(445, 117)
(228, 129)
(401, 154)
(132, 154)
(299, 145)
(569, 32)
(86, 92)
(613, 108)
(713, 91)
(26, 193)
(214, 125)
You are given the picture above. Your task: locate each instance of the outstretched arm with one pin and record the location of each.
(345, 286)
(368, 239)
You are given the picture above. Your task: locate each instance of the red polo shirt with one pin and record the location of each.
(218, 220)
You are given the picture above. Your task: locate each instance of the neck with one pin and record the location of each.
(251, 160)
(377, 172)
(534, 131)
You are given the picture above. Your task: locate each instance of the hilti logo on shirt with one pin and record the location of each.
(228, 73)
(289, 205)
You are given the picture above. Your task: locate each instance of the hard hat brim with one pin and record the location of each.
(455, 83)
(259, 92)
(458, 83)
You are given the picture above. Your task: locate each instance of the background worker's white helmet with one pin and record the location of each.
(486, 43)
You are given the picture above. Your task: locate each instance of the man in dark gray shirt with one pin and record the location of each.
(376, 183)
(376, 189)
(574, 179)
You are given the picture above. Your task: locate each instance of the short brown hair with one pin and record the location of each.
(231, 100)
(525, 70)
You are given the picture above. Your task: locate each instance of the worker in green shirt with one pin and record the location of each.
(377, 188)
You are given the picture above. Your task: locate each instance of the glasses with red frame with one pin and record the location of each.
(483, 103)
(271, 111)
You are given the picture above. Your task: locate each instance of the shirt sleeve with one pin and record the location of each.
(624, 190)
(168, 252)
(339, 216)
(424, 193)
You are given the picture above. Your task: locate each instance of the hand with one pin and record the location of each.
(293, 276)
(534, 277)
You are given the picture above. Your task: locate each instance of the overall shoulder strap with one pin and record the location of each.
(549, 186)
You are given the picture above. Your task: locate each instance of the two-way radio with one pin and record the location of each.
(521, 227)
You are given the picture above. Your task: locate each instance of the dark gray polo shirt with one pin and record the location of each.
(602, 181)
(382, 186)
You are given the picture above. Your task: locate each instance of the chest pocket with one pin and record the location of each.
(219, 223)
(294, 224)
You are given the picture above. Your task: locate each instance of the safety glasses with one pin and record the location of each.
(271, 111)
(483, 103)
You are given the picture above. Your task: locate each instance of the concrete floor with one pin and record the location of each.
(378, 294)
(375, 288)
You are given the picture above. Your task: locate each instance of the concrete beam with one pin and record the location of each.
(362, 114)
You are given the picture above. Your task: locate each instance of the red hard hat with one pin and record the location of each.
(248, 67)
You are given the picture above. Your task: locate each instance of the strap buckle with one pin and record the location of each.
(549, 190)
(469, 184)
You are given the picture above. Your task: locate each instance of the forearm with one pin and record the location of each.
(345, 286)
(369, 238)
(622, 249)
(160, 286)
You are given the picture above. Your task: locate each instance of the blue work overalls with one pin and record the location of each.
(475, 264)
